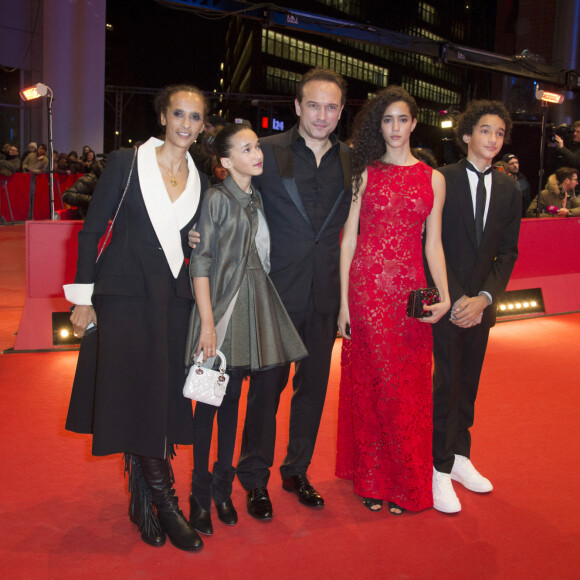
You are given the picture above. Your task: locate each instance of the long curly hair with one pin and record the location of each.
(368, 143)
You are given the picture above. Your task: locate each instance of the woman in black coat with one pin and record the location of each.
(130, 374)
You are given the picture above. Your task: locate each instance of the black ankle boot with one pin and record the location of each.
(227, 512)
(199, 518)
(157, 473)
(141, 510)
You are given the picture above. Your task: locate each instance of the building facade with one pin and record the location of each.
(270, 61)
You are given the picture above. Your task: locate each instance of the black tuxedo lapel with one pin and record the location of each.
(344, 155)
(346, 169)
(494, 208)
(285, 160)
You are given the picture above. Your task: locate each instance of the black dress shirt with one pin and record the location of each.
(319, 185)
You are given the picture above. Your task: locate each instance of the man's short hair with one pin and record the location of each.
(475, 110)
(322, 74)
(576, 124)
(508, 157)
(565, 173)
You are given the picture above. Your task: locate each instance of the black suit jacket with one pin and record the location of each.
(488, 268)
(134, 253)
(301, 258)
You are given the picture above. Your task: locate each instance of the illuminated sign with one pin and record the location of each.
(276, 124)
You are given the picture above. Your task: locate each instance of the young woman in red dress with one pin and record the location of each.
(385, 409)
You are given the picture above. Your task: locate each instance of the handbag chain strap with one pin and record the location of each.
(110, 228)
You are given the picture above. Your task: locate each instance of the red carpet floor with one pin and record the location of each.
(63, 512)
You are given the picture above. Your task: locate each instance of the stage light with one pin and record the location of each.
(518, 303)
(62, 330)
(447, 124)
(35, 92)
(548, 97)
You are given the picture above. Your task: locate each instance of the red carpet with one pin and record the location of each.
(63, 512)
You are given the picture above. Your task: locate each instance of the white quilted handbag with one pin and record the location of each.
(206, 385)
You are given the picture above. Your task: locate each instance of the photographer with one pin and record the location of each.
(559, 198)
(569, 157)
(10, 164)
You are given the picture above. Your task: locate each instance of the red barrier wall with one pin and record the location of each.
(51, 257)
(18, 186)
(550, 259)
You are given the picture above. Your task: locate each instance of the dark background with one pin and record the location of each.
(151, 46)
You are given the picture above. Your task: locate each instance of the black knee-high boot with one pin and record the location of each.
(157, 473)
(141, 509)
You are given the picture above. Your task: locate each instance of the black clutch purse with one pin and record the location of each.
(419, 298)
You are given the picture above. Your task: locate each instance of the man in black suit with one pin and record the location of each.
(481, 223)
(306, 189)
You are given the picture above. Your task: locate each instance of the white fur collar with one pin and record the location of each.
(167, 218)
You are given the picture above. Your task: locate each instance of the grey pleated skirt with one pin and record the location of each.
(260, 334)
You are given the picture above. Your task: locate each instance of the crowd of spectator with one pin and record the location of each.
(34, 160)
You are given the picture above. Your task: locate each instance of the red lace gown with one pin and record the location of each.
(385, 406)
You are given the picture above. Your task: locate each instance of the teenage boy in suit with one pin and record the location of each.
(481, 223)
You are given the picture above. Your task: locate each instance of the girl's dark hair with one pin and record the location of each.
(368, 144)
(223, 140)
(162, 98)
(475, 110)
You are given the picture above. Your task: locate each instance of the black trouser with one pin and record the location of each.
(318, 332)
(259, 436)
(459, 355)
(218, 484)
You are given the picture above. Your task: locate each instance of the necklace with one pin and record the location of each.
(173, 178)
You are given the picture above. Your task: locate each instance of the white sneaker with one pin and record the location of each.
(444, 498)
(464, 472)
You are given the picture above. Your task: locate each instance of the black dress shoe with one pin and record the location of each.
(227, 512)
(300, 485)
(199, 519)
(259, 505)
